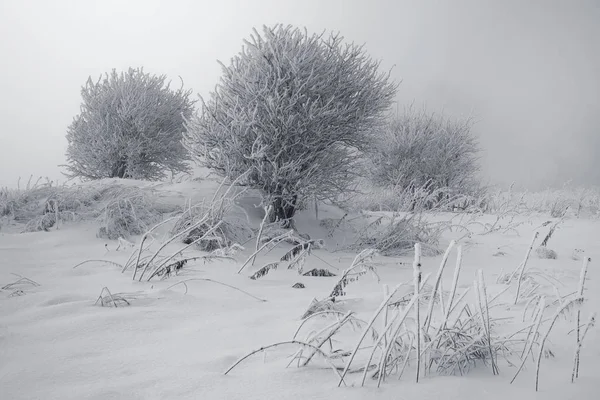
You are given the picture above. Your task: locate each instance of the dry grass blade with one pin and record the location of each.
(22, 281)
(383, 304)
(184, 283)
(275, 240)
(317, 306)
(362, 263)
(99, 261)
(327, 337)
(357, 322)
(591, 322)
(264, 270)
(581, 289)
(141, 248)
(564, 309)
(162, 265)
(147, 265)
(484, 311)
(107, 299)
(293, 342)
(532, 334)
(268, 210)
(436, 285)
(417, 285)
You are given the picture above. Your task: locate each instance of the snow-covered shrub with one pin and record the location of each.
(422, 152)
(292, 112)
(130, 126)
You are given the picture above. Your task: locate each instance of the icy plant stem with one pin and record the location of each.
(328, 336)
(412, 340)
(454, 284)
(580, 291)
(436, 285)
(296, 342)
(381, 338)
(417, 282)
(216, 282)
(274, 240)
(522, 267)
(386, 292)
(558, 313)
(485, 316)
(386, 352)
(268, 210)
(383, 304)
(166, 243)
(137, 263)
(590, 323)
(532, 334)
(392, 337)
(210, 231)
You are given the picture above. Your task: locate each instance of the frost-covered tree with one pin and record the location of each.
(130, 126)
(291, 114)
(422, 150)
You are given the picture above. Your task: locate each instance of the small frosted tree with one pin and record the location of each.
(130, 126)
(290, 115)
(423, 151)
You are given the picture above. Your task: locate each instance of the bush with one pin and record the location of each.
(419, 151)
(292, 112)
(130, 126)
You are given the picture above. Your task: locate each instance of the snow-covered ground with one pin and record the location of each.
(55, 343)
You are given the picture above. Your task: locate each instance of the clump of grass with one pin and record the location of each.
(108, 299)
(130, 213)
(397, 234)
(415, 198)
(543, 251)
(318, 306)
(204, 216)
(546, 253)
(362, 264)
(319, 272)
(295, 258)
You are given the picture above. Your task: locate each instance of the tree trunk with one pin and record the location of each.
(118, 170)
(283, 211)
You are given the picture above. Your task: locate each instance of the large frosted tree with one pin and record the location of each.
(130, 126)
(291, 115)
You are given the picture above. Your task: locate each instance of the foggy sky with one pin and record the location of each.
(528, 70)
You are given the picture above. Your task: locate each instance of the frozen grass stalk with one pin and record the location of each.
(580, 291)
(436, 285)
(533, 332)
(571, 303)
(591, 322)
(383, 304)
(485, 316)
(522, 267)
(417, 284)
